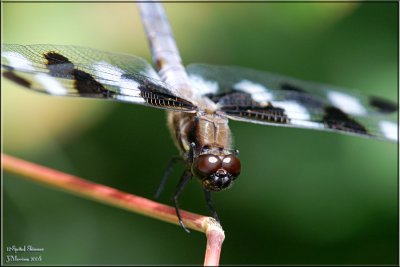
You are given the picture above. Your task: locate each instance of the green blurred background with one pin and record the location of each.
(304, 197)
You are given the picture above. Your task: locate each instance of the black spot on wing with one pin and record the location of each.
(338, 120)
(302, 96)
(234, 98)
(87, 85)
(58, 65)
(146, 85)
(383, 105)
(157, 95)
(241, 104)
(291, 92)
(216, 97)
(54, 58)
(61, 67)
(292, 88)
(17, 79)
(267, 113)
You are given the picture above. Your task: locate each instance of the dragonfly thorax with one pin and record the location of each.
(205, 131)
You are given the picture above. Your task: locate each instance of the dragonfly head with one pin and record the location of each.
(216, 172)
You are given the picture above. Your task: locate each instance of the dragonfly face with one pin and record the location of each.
(216, 172)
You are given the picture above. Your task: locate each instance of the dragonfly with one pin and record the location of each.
(200, 99)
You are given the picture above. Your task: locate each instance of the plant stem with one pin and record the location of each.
(107, 195)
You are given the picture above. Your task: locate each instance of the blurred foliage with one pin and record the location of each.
(304, 197)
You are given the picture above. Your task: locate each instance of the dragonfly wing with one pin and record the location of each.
(266, 98)
(84, 72)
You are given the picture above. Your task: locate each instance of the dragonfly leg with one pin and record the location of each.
(210, 205)
(167, 172)
(187, 175)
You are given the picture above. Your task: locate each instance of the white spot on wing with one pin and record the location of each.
(346, 103)
(130, 99)
(389, 129)
(51, 84)
(107, 73)
(308, 124)
(293, 110)
(129, 87)
(18, 61)
(257, 91)
(112, 75)
(203, 86)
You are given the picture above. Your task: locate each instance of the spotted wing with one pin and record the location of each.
(266, 98)
(83, 72)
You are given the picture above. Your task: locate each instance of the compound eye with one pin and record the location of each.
(206, 164)
(231, 164)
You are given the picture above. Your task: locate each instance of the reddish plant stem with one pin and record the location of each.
(215, 238)
(107, 195)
